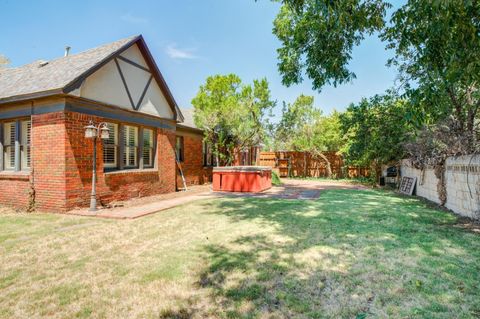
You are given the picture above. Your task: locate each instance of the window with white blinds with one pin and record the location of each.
(110, 146)
(25, 128)
(147, 148)
(16, 138)
(9, 138)
(126, 145)
(130, 145)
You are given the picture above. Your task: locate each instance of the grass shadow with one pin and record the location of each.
(349, 254)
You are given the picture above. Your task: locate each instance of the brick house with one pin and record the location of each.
(188, 145)
(44, 107)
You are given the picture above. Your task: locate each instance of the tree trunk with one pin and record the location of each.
(217, 159)
(329, 166)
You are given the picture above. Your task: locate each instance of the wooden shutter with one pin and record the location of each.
(25, 144)
(9, 145)
(147, 147)
(130, 140)
(110, 146)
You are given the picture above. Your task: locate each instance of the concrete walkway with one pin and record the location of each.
(291, 189)
(146, 206)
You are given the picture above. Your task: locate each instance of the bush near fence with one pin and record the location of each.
(304, 164)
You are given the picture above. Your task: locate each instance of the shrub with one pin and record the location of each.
(275, 179)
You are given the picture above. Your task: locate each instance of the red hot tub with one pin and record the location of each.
(242, 178)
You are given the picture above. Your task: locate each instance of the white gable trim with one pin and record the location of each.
(128, 82)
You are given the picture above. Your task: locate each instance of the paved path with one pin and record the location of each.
(143, 206)
(291, 189)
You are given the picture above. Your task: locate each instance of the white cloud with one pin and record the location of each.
(176, 53)
(130, 18)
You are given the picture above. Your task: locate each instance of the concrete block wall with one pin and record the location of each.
(426, 182)
(462, 180)
(463, 185)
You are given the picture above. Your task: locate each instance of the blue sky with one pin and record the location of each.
(190, 40)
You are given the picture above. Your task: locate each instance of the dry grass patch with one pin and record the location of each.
(350, 254)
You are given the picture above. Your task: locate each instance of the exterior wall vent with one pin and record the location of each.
(42, 63)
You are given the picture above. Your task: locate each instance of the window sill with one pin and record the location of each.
(131, 171)
(21, 175)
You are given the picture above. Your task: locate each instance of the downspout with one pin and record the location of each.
(31, 192)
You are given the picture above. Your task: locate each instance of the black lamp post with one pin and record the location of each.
(94, 132)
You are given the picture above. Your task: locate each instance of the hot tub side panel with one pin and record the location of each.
(241, 181)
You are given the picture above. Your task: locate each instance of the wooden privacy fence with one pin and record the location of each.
(304, 164)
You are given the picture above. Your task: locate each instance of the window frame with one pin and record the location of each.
(180, 157)
(126, 137)
(152, 148)
(22, 159)
(25, 148)
(208, 161)
(121, 146)
(115, 146)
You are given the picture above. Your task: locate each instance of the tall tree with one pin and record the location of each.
(437, 47)
(232, 114)
(318, 37)
(304, 128)
(375, 131)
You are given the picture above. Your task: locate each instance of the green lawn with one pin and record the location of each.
(350, 254)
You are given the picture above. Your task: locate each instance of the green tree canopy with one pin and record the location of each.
(318, 37)
(304, 128)
(375, 130)
(232, 114)
(437, 45)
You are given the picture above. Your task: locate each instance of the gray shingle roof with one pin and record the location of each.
(56, 74)
(188, 118)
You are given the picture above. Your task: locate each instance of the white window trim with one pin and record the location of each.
(17, 144)
(151, 148)
(115, 147)
(127, 148)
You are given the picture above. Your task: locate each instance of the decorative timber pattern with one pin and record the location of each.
(135, 105)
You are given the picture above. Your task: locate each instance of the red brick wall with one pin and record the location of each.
(112, 186)
(14, 190)
(48, 137)
(62, 167)
(194, 171)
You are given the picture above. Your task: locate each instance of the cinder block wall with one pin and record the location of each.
(462, 180)
(463, 185)
(426, 182)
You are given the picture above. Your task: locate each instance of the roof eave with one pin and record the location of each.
(31, 96)
(189, 128)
